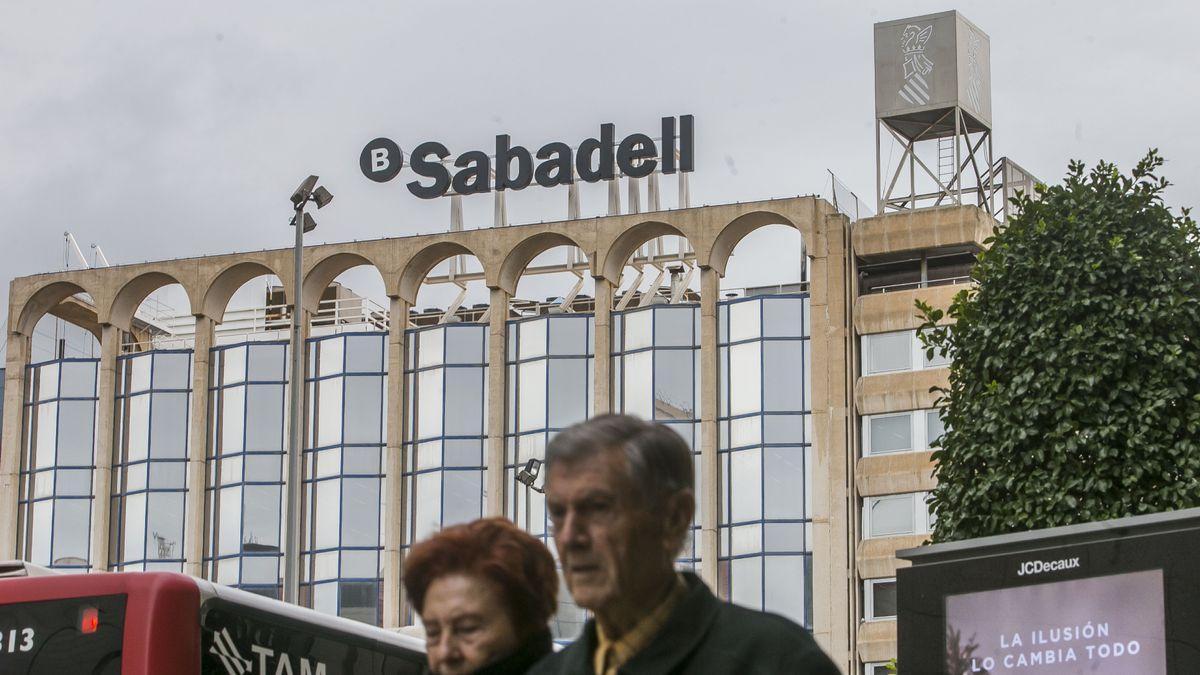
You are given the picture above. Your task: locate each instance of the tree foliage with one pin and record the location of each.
(1074, 391)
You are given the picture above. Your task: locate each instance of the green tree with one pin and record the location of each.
(1074, 390)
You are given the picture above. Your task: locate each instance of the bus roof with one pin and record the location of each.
(306, 615)
(35, 581)
(20, 568)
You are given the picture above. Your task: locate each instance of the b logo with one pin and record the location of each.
(381, 160)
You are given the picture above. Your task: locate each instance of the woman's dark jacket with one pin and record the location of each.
(520, 661)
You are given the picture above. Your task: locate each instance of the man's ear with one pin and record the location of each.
(677, 518)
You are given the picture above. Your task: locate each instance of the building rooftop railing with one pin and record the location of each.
(1012, 178)
(912, 285)
(273, 321)
(332, 316)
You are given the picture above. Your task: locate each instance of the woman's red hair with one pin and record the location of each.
(494, 549)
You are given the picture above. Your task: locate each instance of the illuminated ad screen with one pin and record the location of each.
(1110, 625)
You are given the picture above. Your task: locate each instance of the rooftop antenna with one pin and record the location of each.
(99, 257)
(71, 245)
(60, 330)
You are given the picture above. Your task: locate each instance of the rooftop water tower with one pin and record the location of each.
(933, 97)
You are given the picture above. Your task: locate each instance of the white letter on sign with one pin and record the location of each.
(379, 159)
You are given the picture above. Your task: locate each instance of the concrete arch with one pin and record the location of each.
(628, 241)
(527, 249)
(419, 266)
(737, 229)
(131, 295)
(43, 300)
(326, 270)
(226, 283)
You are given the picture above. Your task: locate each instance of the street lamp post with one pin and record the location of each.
(303, 222)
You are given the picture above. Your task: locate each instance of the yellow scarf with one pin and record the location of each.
(611, 654)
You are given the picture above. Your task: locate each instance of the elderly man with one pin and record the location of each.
(619, 492)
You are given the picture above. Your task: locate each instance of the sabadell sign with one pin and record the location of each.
(596, 159)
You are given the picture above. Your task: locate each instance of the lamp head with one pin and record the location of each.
(528, 475)
(309, 223)
(322, 196)
(303, 192)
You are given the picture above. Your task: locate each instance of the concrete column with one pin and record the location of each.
(833, 517)
(497, 394)
(602, 368)
(110, 346)
(199, 422)
(15, 361)
(710, 468)
(395, 503)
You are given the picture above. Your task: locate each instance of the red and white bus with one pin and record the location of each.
(164, 623)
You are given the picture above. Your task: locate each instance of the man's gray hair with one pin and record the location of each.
(660, 461)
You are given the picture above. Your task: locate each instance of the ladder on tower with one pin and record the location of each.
(946, 168)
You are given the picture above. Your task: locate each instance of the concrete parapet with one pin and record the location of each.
(895, 473)
(876, 640)
(904, 390)
(876, 558)
(922, 229)
(885, 312)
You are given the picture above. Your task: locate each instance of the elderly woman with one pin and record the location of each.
(485, 592)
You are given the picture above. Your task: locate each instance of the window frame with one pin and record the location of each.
(916, 354)
(869, 599)
(866, 347)
(923, 517)
(918, 432)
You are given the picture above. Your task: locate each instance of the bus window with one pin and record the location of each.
(238, 640)
(78, 635)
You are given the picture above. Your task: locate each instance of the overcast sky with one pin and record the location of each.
(167, 129)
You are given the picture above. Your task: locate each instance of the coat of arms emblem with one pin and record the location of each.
(917, 66)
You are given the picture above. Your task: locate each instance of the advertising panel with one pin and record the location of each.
(1105, 598)
(1109, 625)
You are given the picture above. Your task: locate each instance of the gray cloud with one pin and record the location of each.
(162, 130)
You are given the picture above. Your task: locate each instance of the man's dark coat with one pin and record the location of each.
(706, 635)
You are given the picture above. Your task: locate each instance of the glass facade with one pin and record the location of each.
(766, 454)
(149, 480)
(346, 437)
(549, 362)
(764, 447)
(656, 375)
(248, 435)
(57, 463)
(447, 418)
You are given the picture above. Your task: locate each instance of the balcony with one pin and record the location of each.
(894, 473)
(876, 641)
(897, 309)
(903, 390)
(876, 558)
(964, 228)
